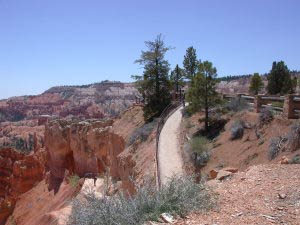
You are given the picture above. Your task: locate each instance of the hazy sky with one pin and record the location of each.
(60, 42)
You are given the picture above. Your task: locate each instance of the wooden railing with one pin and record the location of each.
(290, 103)
(162, 119)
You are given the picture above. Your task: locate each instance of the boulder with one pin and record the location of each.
(231, 169)
(284, 160)
(167, 218)
(223, 175)
(219, 174)
(213, 173)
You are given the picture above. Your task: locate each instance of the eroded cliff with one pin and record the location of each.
(19, 173)
(87, 148)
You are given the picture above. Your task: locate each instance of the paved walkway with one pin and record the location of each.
(169, 155)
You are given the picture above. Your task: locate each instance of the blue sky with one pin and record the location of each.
(61, 42)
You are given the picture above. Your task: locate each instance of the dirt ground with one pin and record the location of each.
(263, 194)
(263, 191)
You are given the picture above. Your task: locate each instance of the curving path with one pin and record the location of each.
(169, 156)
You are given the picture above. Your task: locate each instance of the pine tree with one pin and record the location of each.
(256, 84)
(154, 85)
(190, 63)
(279, 79)
(177, 78)
(202, 93)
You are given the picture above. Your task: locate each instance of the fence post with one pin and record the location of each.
(288, 107)
(257, 103)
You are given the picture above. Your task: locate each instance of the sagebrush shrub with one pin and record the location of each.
(181, 195)
(74, 179)
(295, 159)
(265, 116)
(143, 132)
(274, 147)
(294, 137)
(200, 148)
(237, 129)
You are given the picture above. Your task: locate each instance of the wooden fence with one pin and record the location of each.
(289, 104)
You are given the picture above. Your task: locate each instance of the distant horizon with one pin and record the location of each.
(58, 43)
(103, 81)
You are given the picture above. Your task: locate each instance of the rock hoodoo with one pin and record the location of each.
(86, 148)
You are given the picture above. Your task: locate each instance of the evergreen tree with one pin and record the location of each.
(177, 78)
(202, 93)
(190, 63)
(279, 79)
(256, 84)
(294, 84)
(154, 85)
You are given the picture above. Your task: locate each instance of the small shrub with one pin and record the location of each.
(188, 124)
(237, 130)
(186, 112)
(265, 116)
(74, 179)
(275, 146)
(143, 132)
(178, 197)
(261, 142)
(215, 126)
(295, 159)
(237, 104)
(294, 137)
(200, 148)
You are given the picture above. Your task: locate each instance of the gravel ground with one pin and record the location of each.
(264, 194)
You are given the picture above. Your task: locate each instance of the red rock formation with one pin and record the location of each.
(99, 100)
(83, 148)
(18, 174)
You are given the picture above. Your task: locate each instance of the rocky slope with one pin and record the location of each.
(19, 173)
(22, 119)
(263, 194)
(89, 148)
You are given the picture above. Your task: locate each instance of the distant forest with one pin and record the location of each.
(228, 78)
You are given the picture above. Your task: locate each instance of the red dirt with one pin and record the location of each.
(252, 197)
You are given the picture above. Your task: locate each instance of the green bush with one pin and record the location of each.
(74, 179)
(295, 159)
(179, 197)
(200, 148)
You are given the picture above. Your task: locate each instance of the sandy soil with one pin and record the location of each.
(169, 155)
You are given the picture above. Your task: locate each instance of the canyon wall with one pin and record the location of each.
(18, 174)
(87, 148)
(99, 100)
